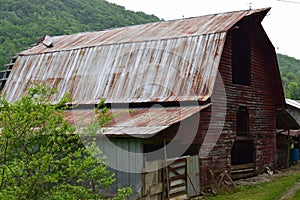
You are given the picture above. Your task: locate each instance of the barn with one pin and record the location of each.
(203, 95)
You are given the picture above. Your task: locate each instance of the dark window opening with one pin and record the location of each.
(241, 57)
(242, 152)
(242, 121)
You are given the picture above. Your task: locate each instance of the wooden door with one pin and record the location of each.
(193, 176)
(152, 184)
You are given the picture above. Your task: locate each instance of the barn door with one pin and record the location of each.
(152, 184)
(175, 177)
(193, 176)
(242, 159)
(183, 177)
(179, 179)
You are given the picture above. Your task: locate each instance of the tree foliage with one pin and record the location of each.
(290, 76)
(42, 158)
(23, 22)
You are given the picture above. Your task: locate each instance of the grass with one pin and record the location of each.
(297, 195)
(261, 191)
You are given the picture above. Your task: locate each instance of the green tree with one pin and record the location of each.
(290, 76)
(41, 156)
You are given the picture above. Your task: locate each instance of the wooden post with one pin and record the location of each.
(167, 172)
(288, 150)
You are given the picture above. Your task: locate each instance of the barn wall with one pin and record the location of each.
(258, 98)
(126, 155)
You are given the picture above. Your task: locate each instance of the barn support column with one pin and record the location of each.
(288, 149)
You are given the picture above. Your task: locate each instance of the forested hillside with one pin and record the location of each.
(23, 22)
(290, 76)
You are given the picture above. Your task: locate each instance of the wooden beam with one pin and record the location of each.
(288, 150)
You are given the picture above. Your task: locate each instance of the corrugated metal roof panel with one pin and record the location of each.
(141, 132)
(181, 69)
(139, 121)
(158, 62)
(208, 24)
(293, 103)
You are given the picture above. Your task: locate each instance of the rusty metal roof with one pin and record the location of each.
(195, 26)
(142, 122)
(156, 62)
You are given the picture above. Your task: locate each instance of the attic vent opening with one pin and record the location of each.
(241, 57)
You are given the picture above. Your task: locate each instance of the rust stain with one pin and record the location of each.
(139, 121)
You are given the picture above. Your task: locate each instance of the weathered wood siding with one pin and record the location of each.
(128, 158)
(258, 98)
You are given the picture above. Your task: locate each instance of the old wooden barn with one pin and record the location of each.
(203, 94)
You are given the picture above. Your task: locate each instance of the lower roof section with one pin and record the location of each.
(137, 122)
(285, 121)
(292, 133)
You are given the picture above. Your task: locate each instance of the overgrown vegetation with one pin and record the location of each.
(41, 156)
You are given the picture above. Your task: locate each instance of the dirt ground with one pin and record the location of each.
(267, 177)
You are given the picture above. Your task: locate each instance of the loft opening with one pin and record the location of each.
(241, 56)
(242, 121)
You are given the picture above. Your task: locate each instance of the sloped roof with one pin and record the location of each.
(284, 120)
(293, 133)
(139, 122)
(194, 26)
(293, 103)
(157, 62)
